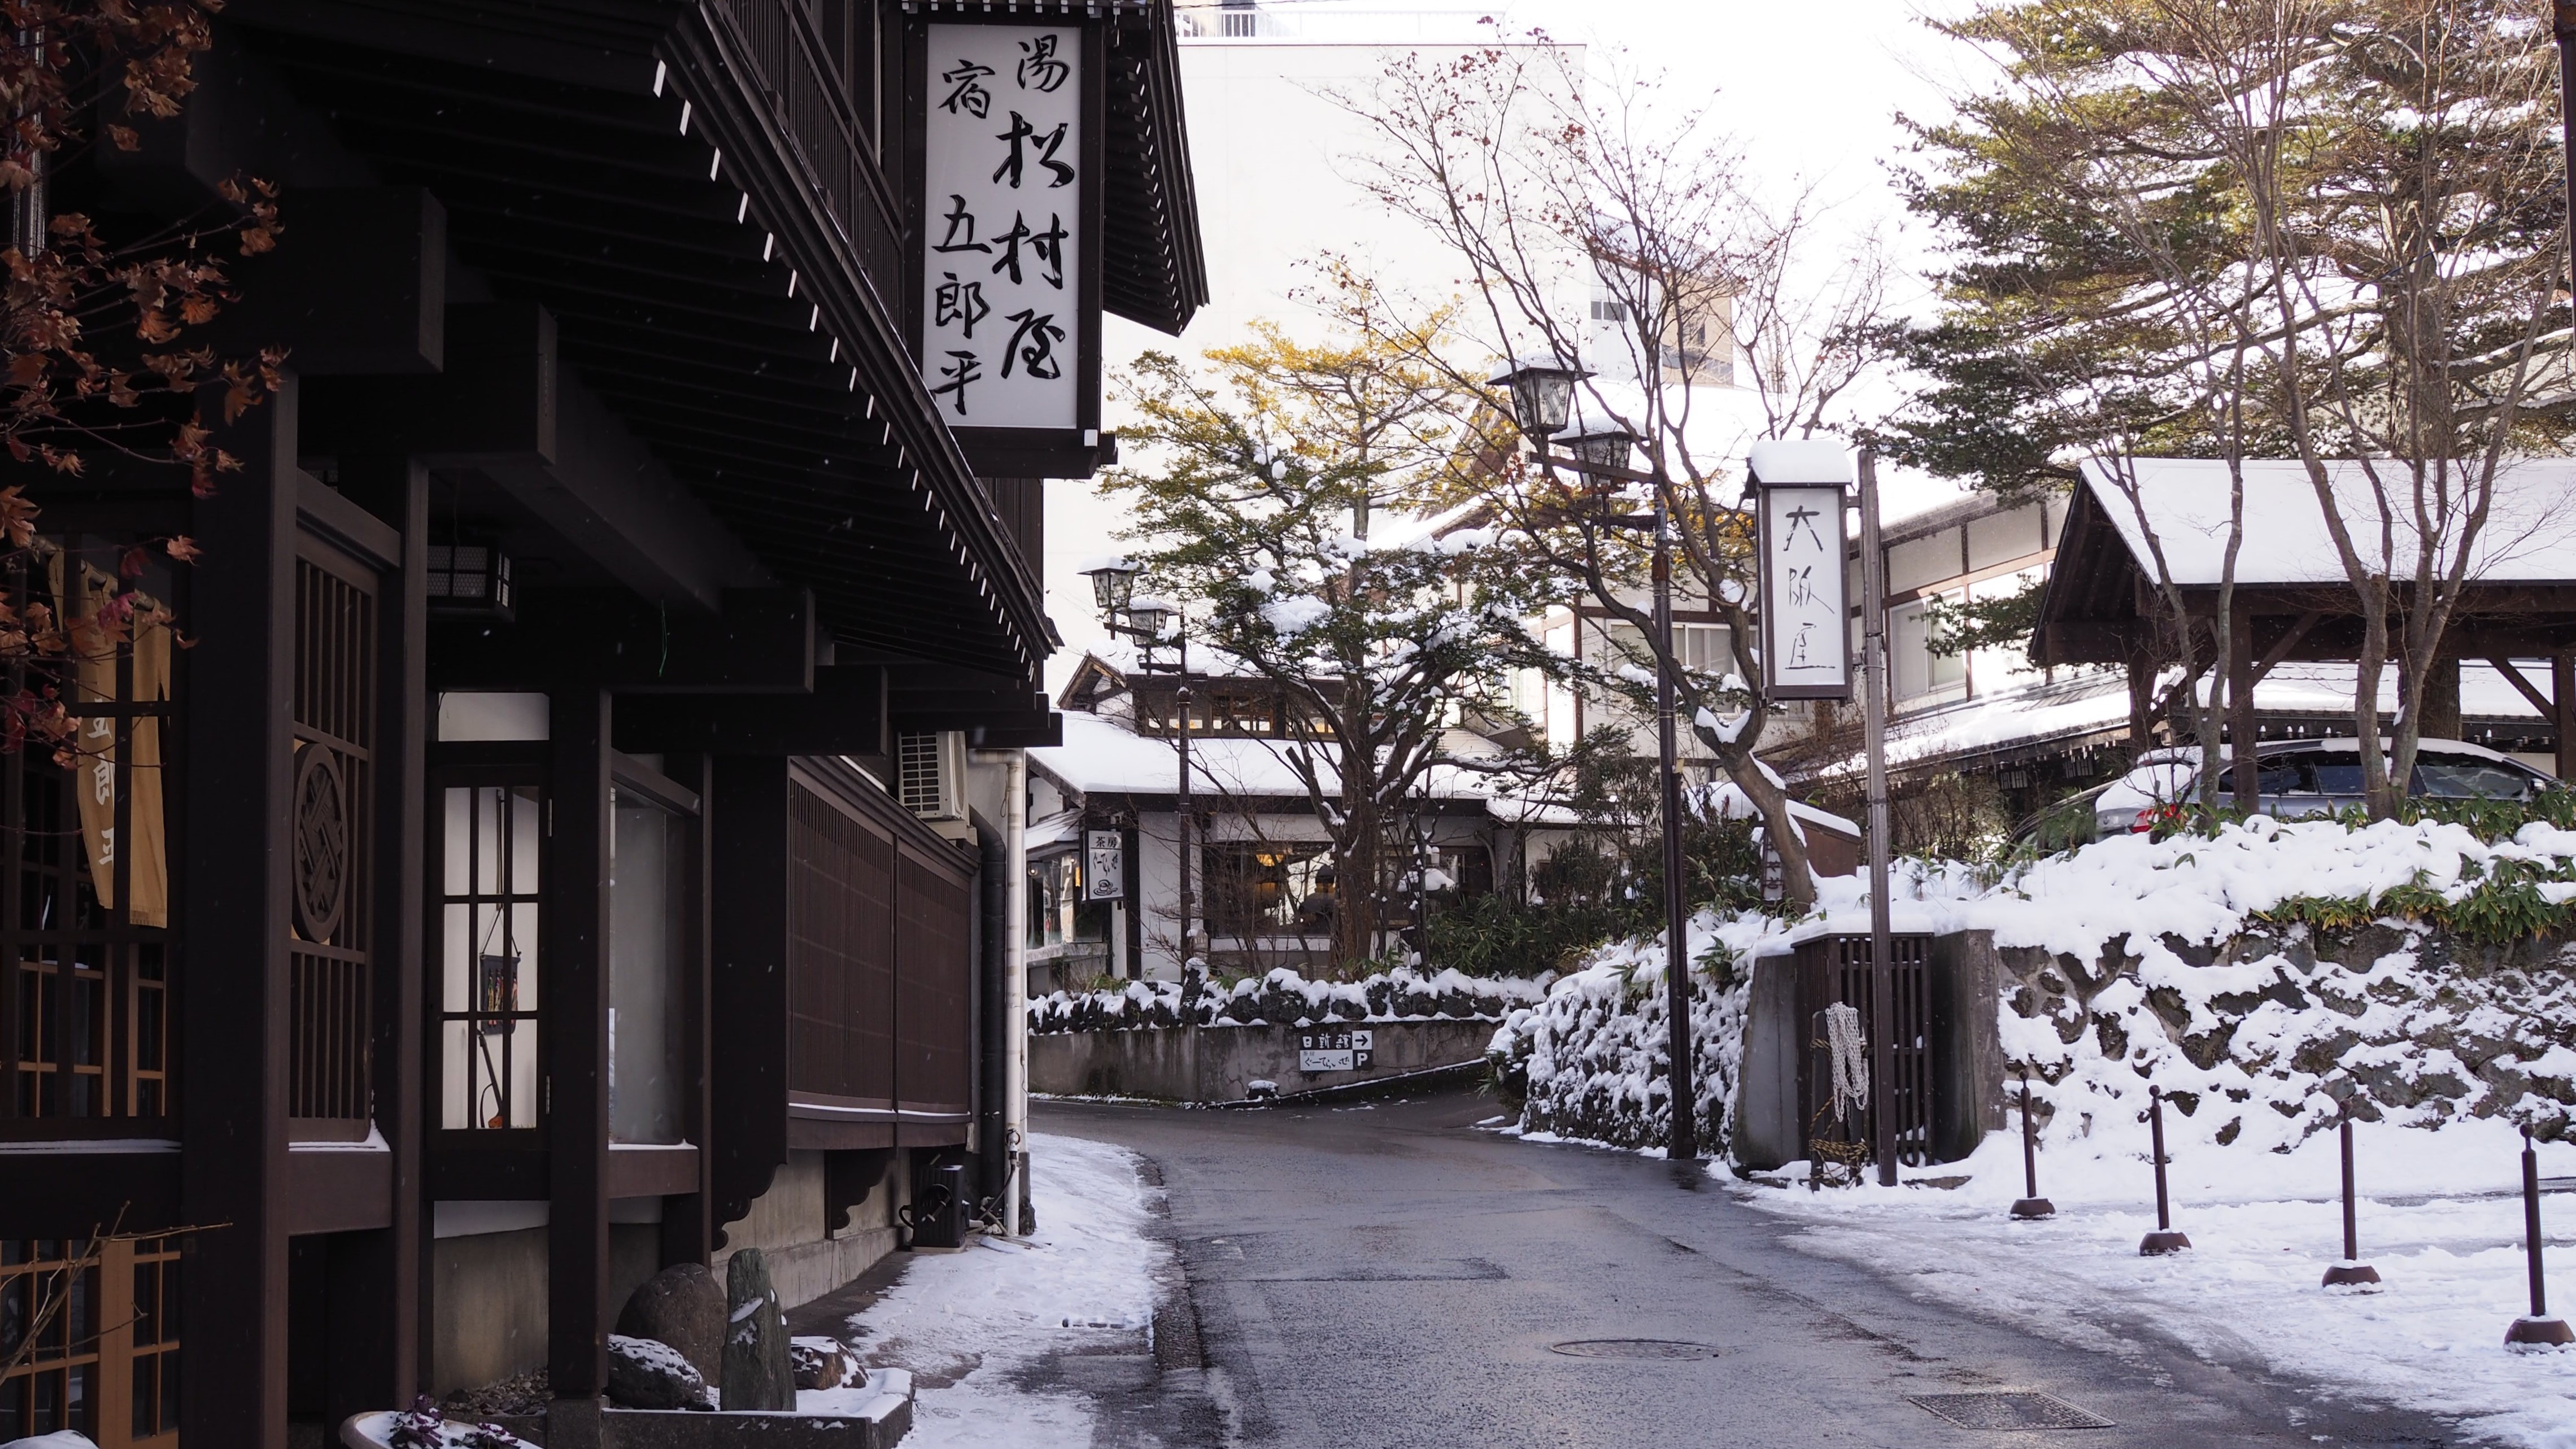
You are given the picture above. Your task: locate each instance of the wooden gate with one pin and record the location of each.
(1837, 969)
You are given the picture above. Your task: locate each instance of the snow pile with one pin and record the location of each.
(2270, 977)
(970, 1325)
(1284, 998)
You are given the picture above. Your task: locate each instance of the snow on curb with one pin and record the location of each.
(2247, 1293)
(968, 1324)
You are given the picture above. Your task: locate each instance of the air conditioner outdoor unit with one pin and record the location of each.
(932, 771)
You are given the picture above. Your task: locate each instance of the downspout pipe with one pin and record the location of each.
(992, 1147)
(1015, 993)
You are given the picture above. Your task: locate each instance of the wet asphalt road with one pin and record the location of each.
(1383, 1276)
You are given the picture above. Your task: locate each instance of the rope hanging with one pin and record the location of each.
(1851, 1065)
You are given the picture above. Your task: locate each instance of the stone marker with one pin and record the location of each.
(758, 1373)
(646, 1373)
(683, 1307)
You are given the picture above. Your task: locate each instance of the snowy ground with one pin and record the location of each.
(2440, 1218)
(971, 1325)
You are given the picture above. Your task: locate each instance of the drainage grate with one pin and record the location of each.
(2008, 1411)
(1648, 1348)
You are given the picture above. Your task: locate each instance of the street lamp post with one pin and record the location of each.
(1113, 588)
(1542, 395)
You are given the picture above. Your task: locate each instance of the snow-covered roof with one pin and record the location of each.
(1104, 756)
(2091, 700)
(2530, 533)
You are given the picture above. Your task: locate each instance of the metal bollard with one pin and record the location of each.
(2351, 1272)
(2032, 1206)
(2164, 1239)
(2538, 1328)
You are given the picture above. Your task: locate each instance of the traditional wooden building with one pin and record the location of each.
(524, 883)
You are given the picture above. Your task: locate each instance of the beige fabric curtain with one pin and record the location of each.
(102, 767)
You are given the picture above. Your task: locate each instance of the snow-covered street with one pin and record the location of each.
(972, 1325)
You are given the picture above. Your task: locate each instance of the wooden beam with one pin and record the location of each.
(2514, 677)
(763, 643)
(845, 715)
(2281, 648)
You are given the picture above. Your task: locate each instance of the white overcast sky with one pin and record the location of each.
(1808, 92)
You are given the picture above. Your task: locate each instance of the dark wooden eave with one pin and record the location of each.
(674, 183)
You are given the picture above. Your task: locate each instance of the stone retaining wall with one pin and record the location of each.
(1219, 1063)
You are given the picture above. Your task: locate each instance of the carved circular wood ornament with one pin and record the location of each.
(321, 837)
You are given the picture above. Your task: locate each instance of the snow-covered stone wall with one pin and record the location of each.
(2270, 977)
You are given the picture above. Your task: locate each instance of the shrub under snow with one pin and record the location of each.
(1284, 998)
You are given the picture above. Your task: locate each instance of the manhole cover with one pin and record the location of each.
(2009, 1411)
(1657, 1348)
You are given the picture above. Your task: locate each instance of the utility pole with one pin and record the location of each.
(1181, 795)
(1882, 973)
(1684, 1146)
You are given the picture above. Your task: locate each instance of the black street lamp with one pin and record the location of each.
(1542, 394)
(1542, 400)
(1113, 588)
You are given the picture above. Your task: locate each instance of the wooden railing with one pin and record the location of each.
(809, 100)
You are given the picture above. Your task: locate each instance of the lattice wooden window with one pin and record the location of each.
(330, 822)
(85, 873)
(489, 900)
(106, 1363)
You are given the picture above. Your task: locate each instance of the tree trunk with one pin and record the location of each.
(1779, 824)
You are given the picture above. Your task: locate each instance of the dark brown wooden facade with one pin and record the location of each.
(612, 287)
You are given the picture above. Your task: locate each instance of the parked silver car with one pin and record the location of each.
(2312, 777)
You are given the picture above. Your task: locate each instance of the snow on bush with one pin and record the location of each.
(2269, 976)
(1284, 998)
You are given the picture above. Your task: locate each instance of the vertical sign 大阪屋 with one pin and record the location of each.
(1002, 188)
(1806, 630)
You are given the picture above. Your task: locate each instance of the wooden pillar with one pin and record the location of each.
(572, 991)
(375, 1309)
(687, 1219)
(2240, 709)
(748, 837)
(2562, 695)
(231, 966)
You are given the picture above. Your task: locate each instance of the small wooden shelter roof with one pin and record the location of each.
(2099, 604)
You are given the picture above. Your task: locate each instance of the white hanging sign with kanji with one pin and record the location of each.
(1806, 633)
(1002, 188)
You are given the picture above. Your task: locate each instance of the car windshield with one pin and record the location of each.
(2466, 777)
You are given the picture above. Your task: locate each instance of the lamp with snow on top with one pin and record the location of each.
(1112, 584)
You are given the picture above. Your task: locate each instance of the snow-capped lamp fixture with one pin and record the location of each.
(1146, 617)
(1603, 446)
(1542, 394)
(1112, 584)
